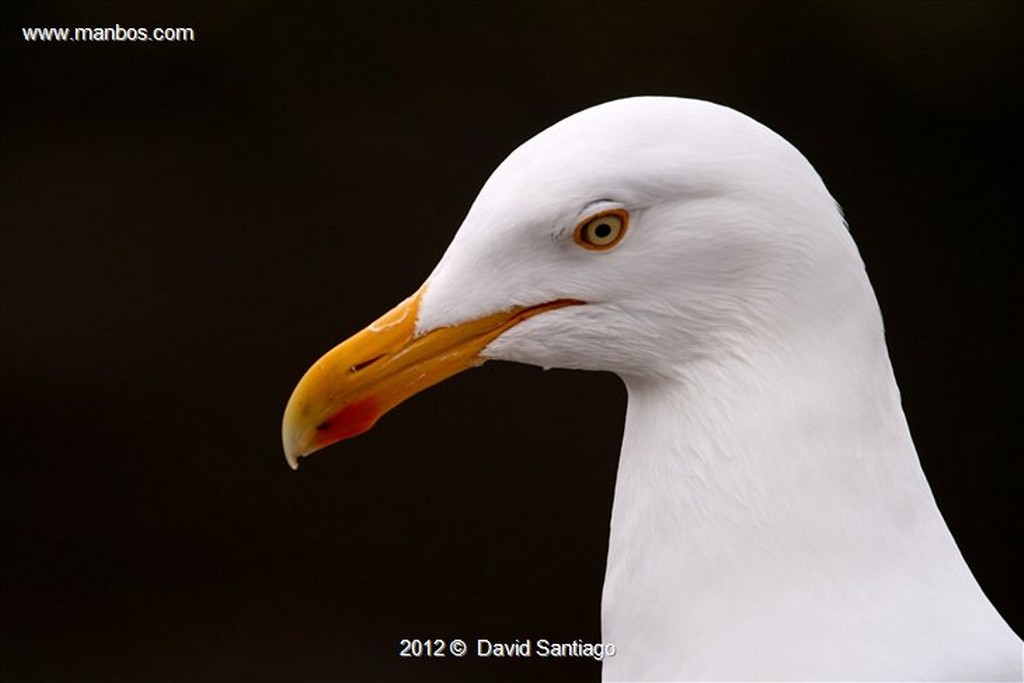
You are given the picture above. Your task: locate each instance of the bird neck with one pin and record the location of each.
(771, 478)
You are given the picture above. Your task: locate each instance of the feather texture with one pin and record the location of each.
(771, 520)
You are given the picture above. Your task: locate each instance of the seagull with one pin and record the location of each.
(771, 519)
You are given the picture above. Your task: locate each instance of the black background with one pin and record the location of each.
(186, 227)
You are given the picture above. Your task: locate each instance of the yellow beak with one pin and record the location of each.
(353, 384)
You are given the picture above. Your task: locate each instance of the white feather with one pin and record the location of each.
(771, 519)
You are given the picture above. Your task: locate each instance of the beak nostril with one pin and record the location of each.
(323, 426)
(359, 366)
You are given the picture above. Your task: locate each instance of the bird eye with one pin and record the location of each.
(602, 231)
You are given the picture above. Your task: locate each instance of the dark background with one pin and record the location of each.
(186, 227)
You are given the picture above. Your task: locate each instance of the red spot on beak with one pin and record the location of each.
(352, 420)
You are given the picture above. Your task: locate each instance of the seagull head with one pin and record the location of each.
(641, 236)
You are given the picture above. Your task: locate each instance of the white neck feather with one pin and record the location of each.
(767, 526)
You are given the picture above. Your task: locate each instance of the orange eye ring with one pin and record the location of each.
(602, 231)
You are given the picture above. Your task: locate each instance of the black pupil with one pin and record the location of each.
(602, 230)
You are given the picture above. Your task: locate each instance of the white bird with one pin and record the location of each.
(771, 519)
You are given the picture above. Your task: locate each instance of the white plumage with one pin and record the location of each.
(771, 520)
